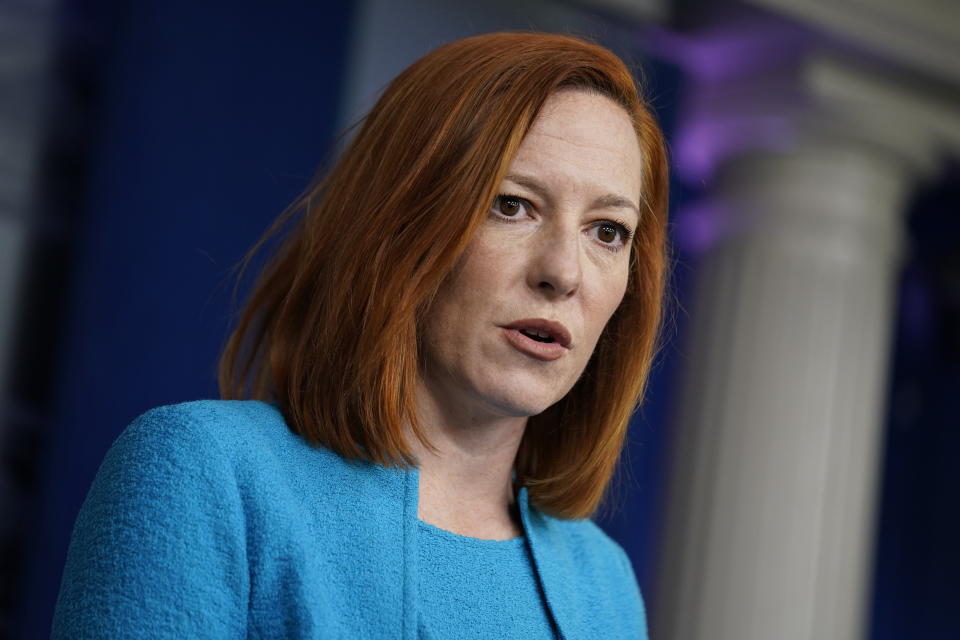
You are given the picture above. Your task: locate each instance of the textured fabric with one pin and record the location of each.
(211, 519)
(480, 589)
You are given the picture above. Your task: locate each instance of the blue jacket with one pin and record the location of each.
(212, 519)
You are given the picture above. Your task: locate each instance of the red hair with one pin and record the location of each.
(330, 331)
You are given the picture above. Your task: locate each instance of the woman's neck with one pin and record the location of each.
(466, 484)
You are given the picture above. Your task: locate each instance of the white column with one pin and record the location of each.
(770, 517)
(769, 525)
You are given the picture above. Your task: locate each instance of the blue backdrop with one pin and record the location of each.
(213, 117)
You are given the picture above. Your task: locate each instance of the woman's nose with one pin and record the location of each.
(555, 268)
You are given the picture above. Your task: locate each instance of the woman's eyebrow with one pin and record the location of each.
(608, 201)
(529, 183)
(611, 200)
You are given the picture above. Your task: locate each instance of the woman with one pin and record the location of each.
(444, 353)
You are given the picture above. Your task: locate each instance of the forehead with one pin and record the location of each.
(583, 140)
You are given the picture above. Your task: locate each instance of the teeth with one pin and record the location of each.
(533, 333)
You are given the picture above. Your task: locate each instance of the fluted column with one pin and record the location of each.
(771, 511)
(808, 155)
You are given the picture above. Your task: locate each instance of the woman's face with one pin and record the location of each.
(516, 322)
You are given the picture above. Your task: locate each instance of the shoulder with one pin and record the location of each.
(191, 442)
(206, 423)
(588, 545)
(184, 455)
(249, 444)
(164, 519)
(219, 502)
(231, 433)
(587, 571)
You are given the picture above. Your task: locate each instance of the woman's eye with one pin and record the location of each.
(508, 205)
(607, 233)
(612, 233)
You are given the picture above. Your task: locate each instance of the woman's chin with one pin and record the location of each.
(523, 405)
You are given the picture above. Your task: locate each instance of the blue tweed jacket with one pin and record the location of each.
(212, 519)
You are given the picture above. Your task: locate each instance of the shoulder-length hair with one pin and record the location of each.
(330, 331)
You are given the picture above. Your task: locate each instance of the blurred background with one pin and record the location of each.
(794, 471)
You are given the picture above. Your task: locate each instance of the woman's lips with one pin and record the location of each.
(558, 334)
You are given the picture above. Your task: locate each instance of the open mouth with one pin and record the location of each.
(539, 336)
(543, 331)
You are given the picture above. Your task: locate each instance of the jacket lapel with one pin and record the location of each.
(411, 591)
(545, 543)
